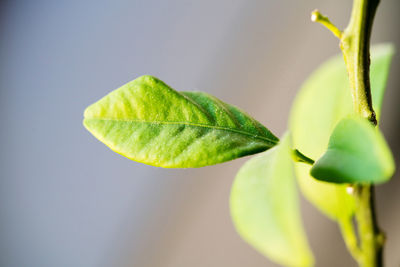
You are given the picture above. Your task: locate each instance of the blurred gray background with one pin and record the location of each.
(67, 200)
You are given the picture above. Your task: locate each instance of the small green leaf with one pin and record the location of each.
(264, 207)
(357, 153)
(147, 121)
(323, 101)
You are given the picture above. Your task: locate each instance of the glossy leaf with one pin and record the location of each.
(147, 121)
(357, 153)
(322, 102)
(265, 210)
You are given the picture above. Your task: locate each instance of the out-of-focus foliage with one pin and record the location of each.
(265, 210)
(323, 101)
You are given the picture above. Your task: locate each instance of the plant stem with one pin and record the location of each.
(371, 238)
(354, 43)
(355, 47)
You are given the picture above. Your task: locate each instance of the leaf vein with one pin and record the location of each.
(274, 142)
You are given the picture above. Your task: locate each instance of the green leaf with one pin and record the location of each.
(147, 121)
(322, 102)
(264, 207)
(357, 153)
(381, 59)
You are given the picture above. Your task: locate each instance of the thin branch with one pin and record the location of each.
(316, 16)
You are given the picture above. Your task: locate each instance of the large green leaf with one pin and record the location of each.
(322, 102)
(357, 153)
(264, 207)
(147, 121)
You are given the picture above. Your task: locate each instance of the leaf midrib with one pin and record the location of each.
(274, 142)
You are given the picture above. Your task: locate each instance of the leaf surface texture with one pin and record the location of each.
(147, 121)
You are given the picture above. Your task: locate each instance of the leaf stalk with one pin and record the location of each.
(297, 156)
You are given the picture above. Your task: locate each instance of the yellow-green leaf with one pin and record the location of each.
(322, 102)
(357, 153)
(265, 210)
(147, 121)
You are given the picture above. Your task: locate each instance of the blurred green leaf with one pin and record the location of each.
(322, 102)
(357, 153)
(264, 207)
(147, 121)
(381, 58)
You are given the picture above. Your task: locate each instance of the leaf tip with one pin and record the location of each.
(86, 112)
(147, 79)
